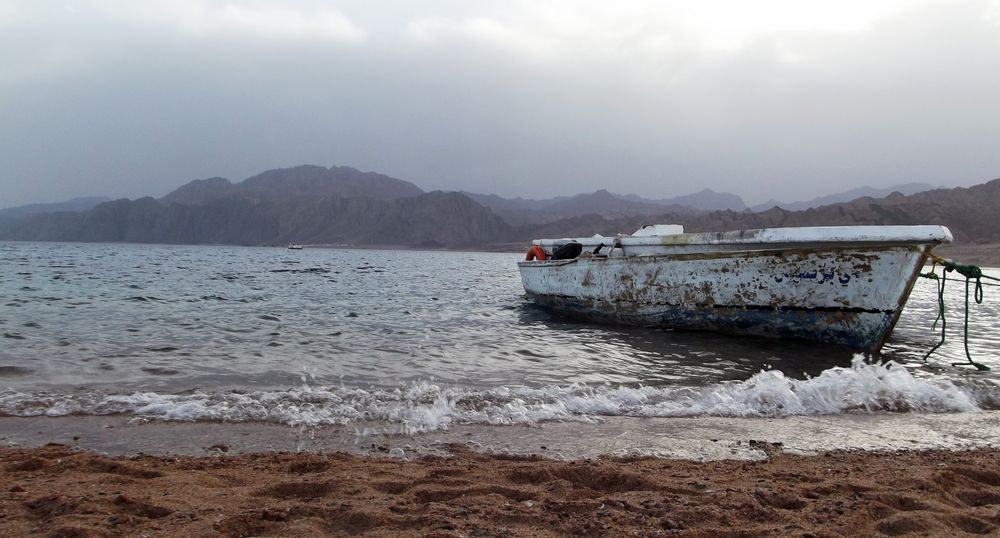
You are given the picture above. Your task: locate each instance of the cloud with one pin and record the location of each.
(482, 30)
(212, 19)
(276, 22)
(49, 40)
(532, 98)
(568, 28)
(992, 12)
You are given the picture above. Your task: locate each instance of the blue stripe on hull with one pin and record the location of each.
(858, 330)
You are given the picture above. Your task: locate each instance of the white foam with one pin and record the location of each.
(424, 406)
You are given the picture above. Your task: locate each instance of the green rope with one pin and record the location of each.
(963, 280)
(971, 273)
(939, 282)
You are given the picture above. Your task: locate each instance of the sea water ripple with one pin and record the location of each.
(416, 340)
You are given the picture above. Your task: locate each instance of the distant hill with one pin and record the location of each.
(520, 211)
(76, 204)
(289, 183)
(972, 214)
(430, 220)
(201, 191)
(846, 196)
(703, 200)
(607, 205)
(303, 204)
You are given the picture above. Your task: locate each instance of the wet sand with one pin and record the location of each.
(58, 491)
(693, 438)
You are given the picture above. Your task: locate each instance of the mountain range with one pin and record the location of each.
(76, 204)
(846, 196)
(291, 183)
(520, 211)
(304, 204)
(971, 213)
(344, 206)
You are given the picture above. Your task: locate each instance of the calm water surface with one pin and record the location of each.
(424, 339)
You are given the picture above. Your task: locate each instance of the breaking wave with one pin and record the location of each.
(423, 406)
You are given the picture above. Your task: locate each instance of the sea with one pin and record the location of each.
(442, 346)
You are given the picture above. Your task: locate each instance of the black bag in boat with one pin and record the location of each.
(567, 251)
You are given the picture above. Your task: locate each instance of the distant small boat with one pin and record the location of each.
(840, 284)
(294, 246)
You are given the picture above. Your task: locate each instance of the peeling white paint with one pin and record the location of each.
(843, 285)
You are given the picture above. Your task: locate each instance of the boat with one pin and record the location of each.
(294, 246)
(843, 285)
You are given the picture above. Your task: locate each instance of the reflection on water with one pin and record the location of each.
(660, 357)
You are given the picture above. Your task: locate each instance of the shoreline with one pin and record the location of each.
(985, 255)
(702, 438)
(57, 491)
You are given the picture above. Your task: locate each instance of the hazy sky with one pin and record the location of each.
(784, 99)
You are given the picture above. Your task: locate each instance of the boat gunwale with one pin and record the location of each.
(810, 235)
(777, 250)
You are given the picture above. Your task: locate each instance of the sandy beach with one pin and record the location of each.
(58, 491)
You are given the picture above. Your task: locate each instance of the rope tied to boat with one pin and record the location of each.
(972, 274)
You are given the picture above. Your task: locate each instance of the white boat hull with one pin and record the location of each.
(841, 293)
